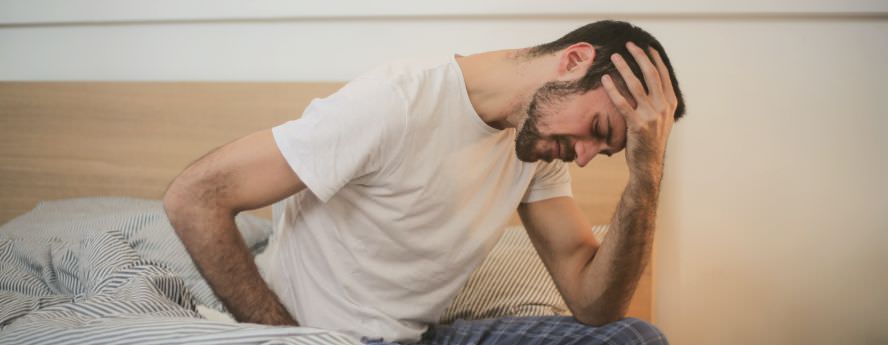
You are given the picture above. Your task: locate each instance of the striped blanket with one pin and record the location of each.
(110, 271)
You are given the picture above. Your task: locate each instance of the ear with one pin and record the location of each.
(575, 61)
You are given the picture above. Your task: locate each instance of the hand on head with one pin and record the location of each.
(650, 121)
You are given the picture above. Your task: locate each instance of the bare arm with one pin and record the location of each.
(597, 282)
(201, 204)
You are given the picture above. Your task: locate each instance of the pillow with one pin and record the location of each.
(142, 223)
(511, 281)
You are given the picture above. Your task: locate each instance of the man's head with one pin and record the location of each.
(572, 118)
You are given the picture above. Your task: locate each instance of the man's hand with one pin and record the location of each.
(597, 282)
(649, 123)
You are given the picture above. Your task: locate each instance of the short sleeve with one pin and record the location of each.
(550, 180)
(344, 136)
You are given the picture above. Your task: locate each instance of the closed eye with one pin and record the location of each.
(595, 128)
(610, 134)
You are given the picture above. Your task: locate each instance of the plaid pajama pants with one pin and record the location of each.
(545, 330)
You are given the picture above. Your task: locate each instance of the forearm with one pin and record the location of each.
(220, 254)
(610, 278)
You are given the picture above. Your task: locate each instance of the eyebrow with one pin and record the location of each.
(610, 133)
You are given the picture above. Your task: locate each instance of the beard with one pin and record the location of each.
(543, 105)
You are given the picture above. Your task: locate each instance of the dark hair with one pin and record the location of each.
(609, 37)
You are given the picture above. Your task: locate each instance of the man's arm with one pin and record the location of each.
(597, 282)
(201, 204)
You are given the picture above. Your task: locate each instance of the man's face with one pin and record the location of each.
(570, 125)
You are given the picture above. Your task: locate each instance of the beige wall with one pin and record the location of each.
(283, 40)
(774, 225)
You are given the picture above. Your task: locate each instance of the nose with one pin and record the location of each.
(585, 152)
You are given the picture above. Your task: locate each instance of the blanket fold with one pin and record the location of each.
(99, 271)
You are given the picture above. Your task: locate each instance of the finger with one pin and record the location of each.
(617, 98)
(648, 70)
(632, 83)
(668, 91)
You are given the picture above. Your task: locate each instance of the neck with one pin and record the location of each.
(501, 83)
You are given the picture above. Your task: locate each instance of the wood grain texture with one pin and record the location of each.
(74, 139)
(63, 140)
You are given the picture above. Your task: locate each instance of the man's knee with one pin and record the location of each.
(632, 331)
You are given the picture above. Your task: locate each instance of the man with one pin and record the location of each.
(398, 184)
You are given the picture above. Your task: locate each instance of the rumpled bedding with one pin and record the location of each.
(111, 271)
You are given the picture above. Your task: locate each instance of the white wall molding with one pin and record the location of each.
(17, 12)
(736, 16)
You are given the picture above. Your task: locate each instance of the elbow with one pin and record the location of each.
(169, 199)
(188, 199)
(179, 203)
(599, 314)
(598, 320)
(174, 195)
(174, 203)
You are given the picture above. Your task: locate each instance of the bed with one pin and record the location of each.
(87, 254)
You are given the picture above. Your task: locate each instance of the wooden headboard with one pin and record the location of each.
(73, 139)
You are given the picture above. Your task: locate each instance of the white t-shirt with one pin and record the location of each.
(408, 190)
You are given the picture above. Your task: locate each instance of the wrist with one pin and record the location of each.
(644, 181)
(647, 171)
